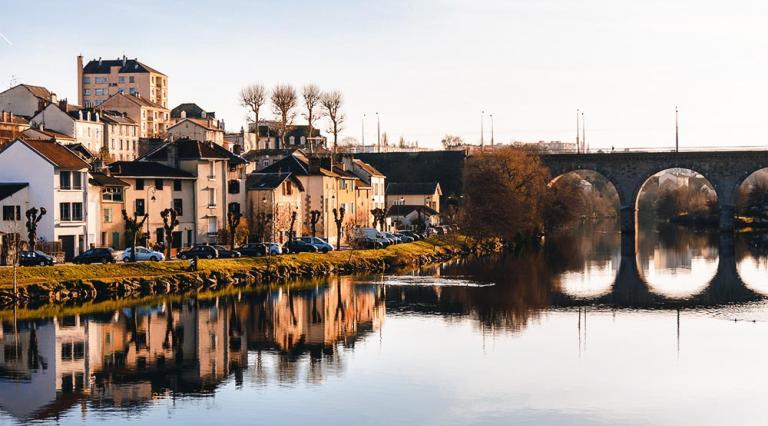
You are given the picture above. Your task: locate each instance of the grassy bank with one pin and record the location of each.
(306, 263)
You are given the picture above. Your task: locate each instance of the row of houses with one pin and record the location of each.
(122, 149)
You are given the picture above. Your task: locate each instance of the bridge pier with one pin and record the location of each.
(628, 217)
(727, 218)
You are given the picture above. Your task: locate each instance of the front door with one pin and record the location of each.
(115, 240)
(68, 247)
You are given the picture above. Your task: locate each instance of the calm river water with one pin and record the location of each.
(669, 329)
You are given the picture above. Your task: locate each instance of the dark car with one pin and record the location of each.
(405, 237)
(321, 244)
(415, 235)
(298, 246)
(204, 252)
(259, 249)
(96, 255)
(35, 258)
(225, 253)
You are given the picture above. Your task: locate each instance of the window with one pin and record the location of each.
(234, 207)
(177, 185)
(212, 197)
(107, 215)
(87, 92)
(139, 184)
(98, 102)
(11, 213)
(212, 228)
(64, 212)
(292, 140)
(86, 80)
(212, 174)
(101, 80)
(233, 187)
(100, 92)
(133, 91)
(287, 188)
(158, 184)
(65, 180)
(131, 79)
(77, 211)
(121, 79)
(178, 205)
(138, 209)
(77, 180)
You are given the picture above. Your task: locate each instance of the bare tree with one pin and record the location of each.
(133, 227)
(253, 97)
(33, 218)
(311, 95)
(284, 101)
(314, 217)
(170, 222)
(233, 220)
(331, 103)
(338, 218)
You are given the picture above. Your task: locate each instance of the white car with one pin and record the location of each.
(143, 253)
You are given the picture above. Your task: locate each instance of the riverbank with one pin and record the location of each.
(40, 285)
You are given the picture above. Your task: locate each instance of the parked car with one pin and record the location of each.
(395, 239)
(96, 255)
(405, 238)
(299, 246)
(142, 254)
(372, 234)
(225, 253)
(35, 258)
(320, 243)
(413, 234)
(260, 249)
(204, 252)
(367, 243)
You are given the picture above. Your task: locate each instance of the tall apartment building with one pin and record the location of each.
(101, 78)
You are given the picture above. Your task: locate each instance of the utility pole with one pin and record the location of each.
(584, 135)
(363, 140)
(491, 129)
(378, 132)
(677, 133)
(578, 143)
(482, 119)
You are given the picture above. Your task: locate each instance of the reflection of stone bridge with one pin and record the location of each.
(628, 171)
(631, 290)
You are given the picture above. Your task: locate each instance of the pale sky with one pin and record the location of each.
(430, 67)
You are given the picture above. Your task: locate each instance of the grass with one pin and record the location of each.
(401, 254)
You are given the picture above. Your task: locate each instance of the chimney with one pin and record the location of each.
(124, 60)
(80, 88)
(88, 115)
(183, 114)
(99, 60)
(314, 165)
(63, 105)
(80, 114)
(237, 149)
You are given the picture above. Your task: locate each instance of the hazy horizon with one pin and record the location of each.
(430, 68)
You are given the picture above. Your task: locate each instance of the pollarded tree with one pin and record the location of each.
(338, 218)
(284, 101)
(133, 226)
(233, 220)
(170, 222)
(378, 217)
(331, 103)
(314, 218)
(292, 227)
(33, 218)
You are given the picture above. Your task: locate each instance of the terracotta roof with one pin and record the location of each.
(38, 91)
(8, 189)
(14, 119)
(114, 117)
(146, 169)
(187, 149)
(56, 154)
(416, 188)
(298, 165)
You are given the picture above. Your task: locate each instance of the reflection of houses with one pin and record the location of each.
(126, 358)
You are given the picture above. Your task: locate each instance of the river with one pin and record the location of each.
(669, 328)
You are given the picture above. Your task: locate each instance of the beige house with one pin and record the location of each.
(414, 194)
(151, 117)
(199, 129)
(83, 125)
(152, 188)
(100, 79)
(121, 136)
(278, 195)
(111, 196)
(26, 100)
(210, 167)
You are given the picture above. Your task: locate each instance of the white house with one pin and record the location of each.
(82, 124)
(199, 129)
(26, 100)
(58, 181)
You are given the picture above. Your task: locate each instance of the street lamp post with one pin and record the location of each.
(482, 123)
(378, 133)
(491, 129)
(363, 132)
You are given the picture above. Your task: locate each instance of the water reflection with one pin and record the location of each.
(124, 358)
(300, 355)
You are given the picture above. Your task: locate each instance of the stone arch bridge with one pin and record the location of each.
(628, 171)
